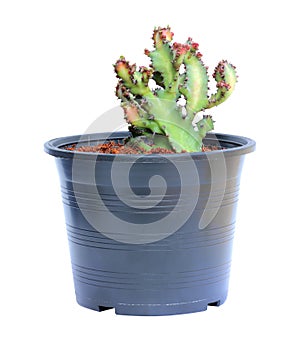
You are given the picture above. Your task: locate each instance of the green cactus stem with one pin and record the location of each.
(226, 78)
(178, 71)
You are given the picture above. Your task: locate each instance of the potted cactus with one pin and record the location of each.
(150, 213)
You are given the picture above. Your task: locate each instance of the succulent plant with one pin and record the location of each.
(156, 115)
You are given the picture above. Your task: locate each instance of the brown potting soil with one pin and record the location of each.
(113, 147)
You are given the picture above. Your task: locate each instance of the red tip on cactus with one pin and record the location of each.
(166, 34)
(122, 65)
(223, 84)
(181, 48)
(146, 71)
(195, 46)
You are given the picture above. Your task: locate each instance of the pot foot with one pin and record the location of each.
(215, 304)
(102, 308)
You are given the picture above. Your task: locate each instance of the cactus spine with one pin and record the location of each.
(178, 71)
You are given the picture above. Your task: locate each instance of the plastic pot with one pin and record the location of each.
(150, 234)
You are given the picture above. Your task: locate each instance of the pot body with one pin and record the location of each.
(150, 234)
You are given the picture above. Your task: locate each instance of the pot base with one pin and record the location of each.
(153, 309)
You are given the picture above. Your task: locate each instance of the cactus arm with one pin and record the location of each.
(205, 125)
(179, 51)
(124, 71)
(134, 113)
(162, 55)
(195, 88)
(226, 78)
(173, 92)
(137, 117)
(132, 79)
(178, 60)
(161, 61)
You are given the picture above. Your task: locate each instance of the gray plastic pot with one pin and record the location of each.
(150, 234)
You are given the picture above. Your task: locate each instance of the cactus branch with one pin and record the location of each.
(195, 88)
(161, 56)
(205, 125)
(226, 78)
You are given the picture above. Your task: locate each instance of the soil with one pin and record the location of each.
(119, 148)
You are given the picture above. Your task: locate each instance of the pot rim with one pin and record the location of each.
(236, 145)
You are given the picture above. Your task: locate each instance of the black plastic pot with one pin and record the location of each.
(150, 234)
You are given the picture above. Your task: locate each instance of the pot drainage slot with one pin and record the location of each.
(102, 308)
(214, 304)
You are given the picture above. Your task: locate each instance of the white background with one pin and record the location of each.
(56, 77)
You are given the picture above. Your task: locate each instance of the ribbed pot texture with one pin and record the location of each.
(150, 234)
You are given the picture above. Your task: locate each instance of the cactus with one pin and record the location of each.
(155, 116)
